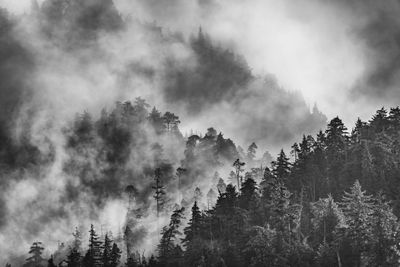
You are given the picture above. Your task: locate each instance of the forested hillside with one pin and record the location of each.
(334, 203)
(92, 107)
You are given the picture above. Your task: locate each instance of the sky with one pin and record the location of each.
(334, 52)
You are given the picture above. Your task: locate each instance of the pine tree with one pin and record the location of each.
(156, 120)
(238, 165)
(198, 195)
(93, 257)
(171, 121)
(221, 186)
(379, 121)
(179, 174)
(336, 144)
(74, 257)
(281, 167)
(115, 256)
(358, 210)
(211, 197)
(36, 260)
(385, 234)
(248, 193)
(169, 236)
(295, 151)
(159, 191)
(251, 152)
(192, 231)
(50, 262)
(106, 255)
(328, 219)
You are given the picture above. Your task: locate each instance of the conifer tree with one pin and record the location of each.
(36, 260)
(192, 231)
(115, 256)
(159, 190)
(221, 186)
(106, 255)
(251, 152)
(248, 193)
(171, 121)
(238, 165)
(358, 209)
(169, 234)
(74, 257)
(281, 167)
(385, 234)
(93, 257)
(211, 197)
(50, 262)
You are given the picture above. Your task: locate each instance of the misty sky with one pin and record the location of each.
(341, 54)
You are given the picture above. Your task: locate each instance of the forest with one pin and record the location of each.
(96, 171)
(333, 203)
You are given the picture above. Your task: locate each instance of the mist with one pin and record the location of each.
(257, 71)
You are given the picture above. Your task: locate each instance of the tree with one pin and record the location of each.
(379, 121)
(260, 247)
(159, 190)
(221, 186)
(248, 193)
(106, 255)
(171, 121)
(358, 209)
(251, 152)
(93, 257)
(168, 247)
(385, 234)
(336, 135)
(336, 143)
(295, 151)
(211, 197)
(50, 262)
(179, 173)
(36, 260)
(238, 165)
(192, 231)
(198, 195)
(74, 257)
(115, 256)
(156, 120)
(281, 167)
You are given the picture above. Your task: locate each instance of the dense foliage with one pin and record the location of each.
(333, 204)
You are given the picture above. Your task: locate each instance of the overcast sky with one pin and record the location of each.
(341, 54)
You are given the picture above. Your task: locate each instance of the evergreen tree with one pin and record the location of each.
(171, 121)
(192, 231)
(168, 247)
(251, 152)
(106, 255)
(50, 262)
(115, 256)
(159, 190)
(156, 121)
(281, 167)
(248, 193)
(221, 186)
(211, 197)
(36, 259)
(74, 257)
(358, 210)
(93, 257)
(385, 235)
(238, 165)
